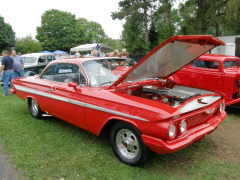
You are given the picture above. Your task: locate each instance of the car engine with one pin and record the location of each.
(171, 96)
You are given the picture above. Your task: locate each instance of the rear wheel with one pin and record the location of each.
(34, 108)
(127, 144)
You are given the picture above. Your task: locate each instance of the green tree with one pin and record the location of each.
(166, 20)
(131, 8)
(133, 35)
(58, 30)
(115, 43)
(7, 35)
(231, 21)
(91, 31)
(153, 35)
(82, 25)
(209, 16)
(187, 13)
(28, 45)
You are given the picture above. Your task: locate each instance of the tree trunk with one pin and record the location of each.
(218, 32)
(146, 23)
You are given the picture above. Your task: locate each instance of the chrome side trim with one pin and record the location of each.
(72, 101)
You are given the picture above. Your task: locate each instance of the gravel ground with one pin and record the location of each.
(7, 169)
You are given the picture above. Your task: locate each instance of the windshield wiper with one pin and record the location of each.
(106, 82)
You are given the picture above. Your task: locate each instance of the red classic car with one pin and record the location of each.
(142, 110)
(118, 65)
(213, 72)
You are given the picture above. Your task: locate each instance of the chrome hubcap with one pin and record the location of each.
(34, 105)
(127, 143)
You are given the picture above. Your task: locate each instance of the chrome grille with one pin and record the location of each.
(198, 118)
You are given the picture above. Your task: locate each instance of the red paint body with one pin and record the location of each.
(136, 102)
(218, 78)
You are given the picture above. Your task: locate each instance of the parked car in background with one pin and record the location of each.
(37, 58)
(213, 72)
(142, 110)
(34, 63)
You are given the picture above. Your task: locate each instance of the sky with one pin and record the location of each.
(25, 15)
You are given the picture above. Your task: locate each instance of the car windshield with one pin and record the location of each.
(233, 63)
(99, 73)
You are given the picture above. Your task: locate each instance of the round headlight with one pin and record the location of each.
(183, 126)
(172, 131)
(222, 106)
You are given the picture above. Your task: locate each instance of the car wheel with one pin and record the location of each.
(34, 108)
(127, 144)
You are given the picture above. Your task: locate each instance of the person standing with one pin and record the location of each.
(18, 65)
(124, 54)
(7, 69)
(95, 53)
(115, 54)
(77, 54)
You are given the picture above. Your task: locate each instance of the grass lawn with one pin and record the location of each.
(52, 149)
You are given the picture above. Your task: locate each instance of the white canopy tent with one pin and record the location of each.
(90, 47)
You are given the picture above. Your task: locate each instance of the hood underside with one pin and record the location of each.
(171, 56)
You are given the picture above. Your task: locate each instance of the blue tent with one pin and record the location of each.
(59, 52)
(46, 52)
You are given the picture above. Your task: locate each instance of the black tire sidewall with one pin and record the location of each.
(37, 114)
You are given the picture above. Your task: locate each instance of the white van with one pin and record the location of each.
(37, 58)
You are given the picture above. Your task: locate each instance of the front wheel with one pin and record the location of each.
(127, 144)
(34, 108)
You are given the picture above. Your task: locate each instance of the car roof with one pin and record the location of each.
(217, 57)
(36, 54)
(83, 59)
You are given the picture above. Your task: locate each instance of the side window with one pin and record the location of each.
(212, 64)
(65, 73)
(50, 58)
(41, 59)
(229, 64)
(51, 70)
(205, 64)
(199, 63)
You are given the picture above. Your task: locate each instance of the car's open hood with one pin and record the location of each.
(170, 57)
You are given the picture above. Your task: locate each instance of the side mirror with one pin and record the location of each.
(74, 85)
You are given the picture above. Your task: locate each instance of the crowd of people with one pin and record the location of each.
(96, 53)
(12, 67)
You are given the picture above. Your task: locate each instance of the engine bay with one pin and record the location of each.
(174, 95)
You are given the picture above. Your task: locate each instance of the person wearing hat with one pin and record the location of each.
(115, 54)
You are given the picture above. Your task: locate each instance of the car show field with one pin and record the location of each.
(37, 150)
(157, 128)
(141, 110)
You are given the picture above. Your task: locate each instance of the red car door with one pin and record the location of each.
(208, 76)
(64, 101)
